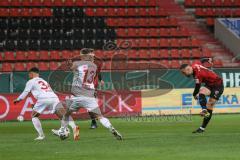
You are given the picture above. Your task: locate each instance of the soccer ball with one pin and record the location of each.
(20, 118)
(64, 133)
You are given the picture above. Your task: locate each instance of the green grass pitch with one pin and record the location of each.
(151, 140)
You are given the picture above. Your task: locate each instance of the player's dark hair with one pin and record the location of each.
(86, 50)
(34, 69)
(183, 66)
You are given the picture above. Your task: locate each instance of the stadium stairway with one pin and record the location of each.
(201, 17)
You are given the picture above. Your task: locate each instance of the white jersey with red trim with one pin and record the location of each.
(39, 88)
(84, 78)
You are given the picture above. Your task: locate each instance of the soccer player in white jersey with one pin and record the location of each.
(83, 90)
(46, 99)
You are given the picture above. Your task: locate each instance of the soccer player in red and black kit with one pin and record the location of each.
(213, 88)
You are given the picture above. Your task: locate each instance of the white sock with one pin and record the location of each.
(202, 128)
(37, 124)
(106, 123)
(64, 122)
(71, 122)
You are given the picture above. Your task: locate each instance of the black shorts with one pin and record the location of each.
(216, 91)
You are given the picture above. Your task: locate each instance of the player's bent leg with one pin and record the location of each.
(37, 125)
(60, 112)
(203, 101)
(210, 106)
(207, 119)
(93, 122)
(107, 124)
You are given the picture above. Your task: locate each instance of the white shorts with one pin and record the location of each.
(46, 104)
(89, 103)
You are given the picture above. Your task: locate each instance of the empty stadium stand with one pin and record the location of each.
(45, 33)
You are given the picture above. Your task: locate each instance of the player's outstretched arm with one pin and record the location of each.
(24, 94)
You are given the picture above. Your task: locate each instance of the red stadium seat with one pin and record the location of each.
(36, 3)
(36, 12)
(198, 3)
(143, 32)
(111, 12)
(206, 53)
(124, 12)
(4, 12)
(43, 55)
(26, 3)
(164, 63)
(43, 66)
(153, 43)
(7, 67)
(164, 53)
(20, 55)
(47, 12)
(15, 3)
(184, 32)
(24, 12)
(175, 64)
(174, 43)
(152, 32)
(79, 3)
(186, 61)
(143, 42)
(171, 22)
(4, 3)
(30, 65)
(14, 12)
(55, 55)
(91, 3)
(163, 32)
(196, 53)
(53, 65)
(174, 32)
(163, 42)
(185, 53)
(121, 3)
(90, 12)
(174, 53)
(143, 54)
(9, 55)
(32, 55)
(152, 22)
(132, 54)
(236, 3)
(57, 3)
(227, 3)
(69, 3)
(154, 54)
(19, 66)
(66, 54)
(47, 3)
(128, 12)
(185, 43)
(195, 42)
